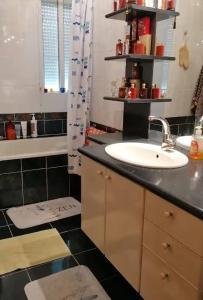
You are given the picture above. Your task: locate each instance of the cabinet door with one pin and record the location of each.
(124, 226)
(93, 201)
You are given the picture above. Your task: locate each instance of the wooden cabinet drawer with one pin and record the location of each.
(180, 224)
(159, 282)
(182, 259)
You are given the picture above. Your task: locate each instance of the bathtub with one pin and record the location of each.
(36, 147)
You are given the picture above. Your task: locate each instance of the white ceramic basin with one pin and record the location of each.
(146, 155)
(184, 142)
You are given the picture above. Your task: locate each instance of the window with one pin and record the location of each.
(56, 36)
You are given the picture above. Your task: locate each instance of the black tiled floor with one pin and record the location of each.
(4, 233)
(57, 182)
(97, 263)
(77, 241)
(2, 219)
(52, 267)
(17, 232)
(67, 224)
(12, 286)
(118, 288)
(10, 190)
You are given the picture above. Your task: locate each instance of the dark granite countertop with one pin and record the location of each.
(182, 186)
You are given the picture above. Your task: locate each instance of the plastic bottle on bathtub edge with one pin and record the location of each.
(33, 127)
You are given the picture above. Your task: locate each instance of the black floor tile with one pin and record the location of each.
(4, 233)
(12, 286)
(97, 263)
(119, 289)
(52, 267)
(2, 219)
(17, 232)
(67, 224)
(77, 241)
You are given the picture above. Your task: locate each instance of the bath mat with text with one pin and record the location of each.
(77, 283)
(44, 212)
(31, 249)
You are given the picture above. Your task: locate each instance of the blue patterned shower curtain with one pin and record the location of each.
(80, 80)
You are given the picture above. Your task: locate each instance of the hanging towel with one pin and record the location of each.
(198, 94)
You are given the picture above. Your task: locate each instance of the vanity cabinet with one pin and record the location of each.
(155, 245)
(112, 216)
(172, 261)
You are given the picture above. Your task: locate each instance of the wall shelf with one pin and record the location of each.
(141, 11)
(137, 100)
(141, 58)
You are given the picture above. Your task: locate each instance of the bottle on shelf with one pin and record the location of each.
(126, 49)
(10, 131)
(122, 90)
(160, 50)
(144, 91)
(171, 5)
(115, 5)
(139, 48)
(33, 127)
(119, 48)
(155, 92)
(132, 93)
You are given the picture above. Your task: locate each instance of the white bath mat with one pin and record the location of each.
(77, 283)
(44, 212)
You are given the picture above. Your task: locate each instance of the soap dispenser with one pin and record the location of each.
(196, 149)
(33, 127)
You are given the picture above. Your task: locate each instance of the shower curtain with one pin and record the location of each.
(80, 80)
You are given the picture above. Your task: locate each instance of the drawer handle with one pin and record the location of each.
(168, 214)
(99, 172)
(166, 245)
(164, 275)
(108, 177)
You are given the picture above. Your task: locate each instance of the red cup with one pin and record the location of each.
(160, 50)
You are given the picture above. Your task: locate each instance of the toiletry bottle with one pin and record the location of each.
(196, 148)
(115, 6)
(24, 128)
(122, 89)
(33, 127)
(10, 131)
(155, 92)
(132, 94)
(143, 91)
(171, 5)
(119, 48)
(126, 49)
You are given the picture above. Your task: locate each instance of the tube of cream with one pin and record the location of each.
(24, 129)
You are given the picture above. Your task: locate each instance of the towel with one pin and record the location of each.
(197, 100)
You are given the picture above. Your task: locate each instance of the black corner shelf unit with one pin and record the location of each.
(136, 112)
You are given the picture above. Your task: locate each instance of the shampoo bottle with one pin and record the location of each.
(196, 149)
(33, 127)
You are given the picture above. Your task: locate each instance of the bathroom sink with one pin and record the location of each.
(184, 142)
(147, 155)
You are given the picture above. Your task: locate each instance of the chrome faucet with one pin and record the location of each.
(168, 142)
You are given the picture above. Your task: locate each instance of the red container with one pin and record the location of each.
(171, 4)
(115, 7)
(139, 48)
(140, 2)
(160, 50)
(155, 93)
(122, 4)
(144, 25)
(10, 131)
(119, 48)
(132, 94)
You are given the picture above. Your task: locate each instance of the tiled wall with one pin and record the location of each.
(48, 124)
(34, 180)
(179, 125)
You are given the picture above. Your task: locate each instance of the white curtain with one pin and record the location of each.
(80, 80)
